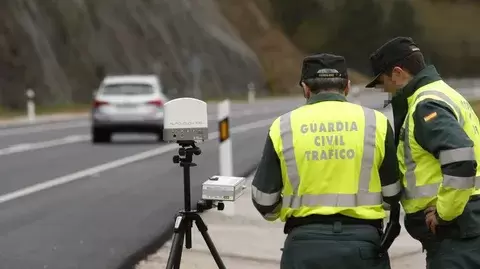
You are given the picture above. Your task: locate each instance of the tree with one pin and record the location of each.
(291, 14)
(402, 21)
(359, 33)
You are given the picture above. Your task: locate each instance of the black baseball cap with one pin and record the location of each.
(389, 54)
(313, 63)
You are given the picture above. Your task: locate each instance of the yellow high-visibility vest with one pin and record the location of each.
(330, 153)
(422, 174)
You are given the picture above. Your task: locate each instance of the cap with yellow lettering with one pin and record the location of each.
(313, 63)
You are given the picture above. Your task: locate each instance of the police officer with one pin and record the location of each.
(438, 139)
(325, 168)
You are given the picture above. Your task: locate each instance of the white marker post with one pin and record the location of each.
(30, 105)
(251, 93)
(225, 148)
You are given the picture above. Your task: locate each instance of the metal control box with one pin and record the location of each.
(223, 188)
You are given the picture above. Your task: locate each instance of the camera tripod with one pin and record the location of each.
(185, 218)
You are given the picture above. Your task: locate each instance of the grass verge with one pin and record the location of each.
(6, 114)
(244, 99)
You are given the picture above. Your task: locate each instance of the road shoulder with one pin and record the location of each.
(245, 240)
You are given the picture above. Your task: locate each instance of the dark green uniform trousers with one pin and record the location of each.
(454, 246)
(321, 246)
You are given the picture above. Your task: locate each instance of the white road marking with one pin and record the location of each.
(56, 142)
(69, 125)
(118, 163)
(42, 128)
(45, 144)
(62, 126)
(25, 147)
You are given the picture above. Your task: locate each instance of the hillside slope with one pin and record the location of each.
(280, 58)
(63, 48)
(457, 25)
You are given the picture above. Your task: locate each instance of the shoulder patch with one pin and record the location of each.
(430, 116)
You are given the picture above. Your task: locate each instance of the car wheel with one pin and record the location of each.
(101, 136)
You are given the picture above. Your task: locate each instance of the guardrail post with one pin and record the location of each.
(30, 105)
(251, 93)
(225, 148)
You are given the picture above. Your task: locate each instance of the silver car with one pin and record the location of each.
(128, 104)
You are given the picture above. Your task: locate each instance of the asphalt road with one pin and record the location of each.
(65, 203)
(376, 100)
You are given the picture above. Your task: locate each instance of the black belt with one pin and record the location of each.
(294, 222)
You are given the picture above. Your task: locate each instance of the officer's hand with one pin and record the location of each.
(431, 218)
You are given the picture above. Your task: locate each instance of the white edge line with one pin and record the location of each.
(117, 163)
(19, 148)
(42, 128)
(24, 130)
(72, 139)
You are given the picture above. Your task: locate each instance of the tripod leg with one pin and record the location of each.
(188, 233)
(179, 251)
(175, 254)
(213, 250)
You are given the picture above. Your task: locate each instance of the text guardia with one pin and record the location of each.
(332, 145)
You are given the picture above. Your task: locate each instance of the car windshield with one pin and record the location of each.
(127, 89)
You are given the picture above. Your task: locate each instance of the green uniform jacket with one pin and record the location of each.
(443, 133)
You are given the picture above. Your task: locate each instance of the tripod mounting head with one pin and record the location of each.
(187, 149)
(203, 205)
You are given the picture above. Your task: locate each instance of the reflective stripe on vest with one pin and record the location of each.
(362, 198)
(430, 190)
